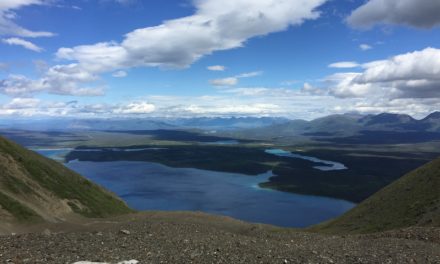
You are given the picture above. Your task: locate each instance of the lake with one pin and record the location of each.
(152, 186)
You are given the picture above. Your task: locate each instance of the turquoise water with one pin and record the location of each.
(224, 142)
(57, 154)
(328, 165)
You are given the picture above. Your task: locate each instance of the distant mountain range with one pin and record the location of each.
(84, 124)
(355, 129)
(108, 124)
(343, 128)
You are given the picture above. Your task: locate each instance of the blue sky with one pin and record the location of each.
(169, 58)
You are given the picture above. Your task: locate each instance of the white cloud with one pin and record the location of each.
(231, 81)
(262, 92)
(249, 74)
(33, 107)
(24, 43)
(266, 92)
(410, 75)
(343, 86)
(415, 13)
(311, 90)
(22, 103)
(7, 17)
(256, 102)
(120, 74)
(215, 26)
(290, 82)
(41, 66)
(365, 47)
(59, 79)
(98, 58)
(216, 68)
(344, 65)
(136, 108)
(230, 109)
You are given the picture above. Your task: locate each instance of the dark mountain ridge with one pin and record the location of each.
(356, 129)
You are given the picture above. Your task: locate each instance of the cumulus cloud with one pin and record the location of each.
(343, 85)
(415, 13)
(231, 81)
(37, 107)
(22, 103)
(24, 43)
(176, 43)
(216, 68)
(33, 107)
(344, 65)
(136, 108)
(312, 90)
(7, 17)
(256, 109)
(410, 75)
(365, 47)
(245, 102)
(249, 74)
(41, 65)
(215, 26)
(120, 74)
(59, 79)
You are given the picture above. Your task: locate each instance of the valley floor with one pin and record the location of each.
(184, 237)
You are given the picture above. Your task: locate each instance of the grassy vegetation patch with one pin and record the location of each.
(19, 211)
(61, 181)
(413, 200)
(16, 185)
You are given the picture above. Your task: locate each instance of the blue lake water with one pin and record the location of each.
(152, 186)
(328, 165)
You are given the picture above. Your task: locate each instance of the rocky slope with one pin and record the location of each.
(34, 188)
(198, 238)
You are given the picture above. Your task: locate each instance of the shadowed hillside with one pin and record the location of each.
(413, 200)
(34, 188)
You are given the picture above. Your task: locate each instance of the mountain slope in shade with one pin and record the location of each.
(352, 128)
(413, 200)
(34, 188)
(432, 122)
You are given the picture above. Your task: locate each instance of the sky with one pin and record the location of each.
(192, 58)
